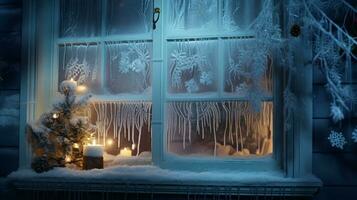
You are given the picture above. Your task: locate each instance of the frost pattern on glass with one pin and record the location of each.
(80, 18)
(129, 67)
(127, 123)
(192, 66)
(129, 16)
(239, 15)
(247, 69)
(192, 16)
(228, 128)
(80, 63)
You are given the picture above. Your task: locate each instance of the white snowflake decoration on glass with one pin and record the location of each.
(354, 135)
(188, 58)
(337, 139)
(242, 89)
(135, 59)
(206, 78)
(191, 86)
(79, 71)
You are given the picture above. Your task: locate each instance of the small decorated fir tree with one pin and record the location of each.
(58, 137)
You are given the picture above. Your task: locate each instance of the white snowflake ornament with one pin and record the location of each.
(337, 139)
(354, 135)
(336, 113)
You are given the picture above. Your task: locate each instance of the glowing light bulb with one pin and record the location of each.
(76, 145)
(55, 115)
(133, 146)
(109, 142)
(68, 158)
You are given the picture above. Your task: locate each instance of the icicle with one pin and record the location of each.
(226, 121)
(189, 121)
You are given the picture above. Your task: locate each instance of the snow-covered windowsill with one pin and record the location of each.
(152, 179)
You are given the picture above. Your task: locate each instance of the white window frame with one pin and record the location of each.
(293, 155)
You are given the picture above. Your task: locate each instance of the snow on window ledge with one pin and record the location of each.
(157, 180)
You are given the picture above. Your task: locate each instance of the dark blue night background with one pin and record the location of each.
(335, 167)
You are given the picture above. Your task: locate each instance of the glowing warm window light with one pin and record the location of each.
(109, 142)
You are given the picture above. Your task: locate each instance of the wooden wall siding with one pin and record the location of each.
(10, 59)
(336, 168)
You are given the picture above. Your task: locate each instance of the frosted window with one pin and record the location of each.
(192, 16)
(192, 66)
(80, 63)
(245, 68)
(129, 67)
(80, 18)
(129, 16)
(123, 124)
(222, 129)
(238, 15)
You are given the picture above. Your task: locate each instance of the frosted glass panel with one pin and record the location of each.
(123, 124)
(129, 16)
(240, 14)
(129, 67)
(246, 68)
(192, 16)
(80, 18)
(224, 129)
(192, 66)
(82, 63)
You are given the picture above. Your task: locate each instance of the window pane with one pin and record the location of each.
(129, 16)
(192, 16)
(192, 67)
(129, 67)
(123, 124)
(81, 63)
(80, 18)
(246, 68)
(238, 15)
(193, 129)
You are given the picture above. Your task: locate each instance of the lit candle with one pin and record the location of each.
(93, 150)
(81, 89)
(93, 156)
(125, 152)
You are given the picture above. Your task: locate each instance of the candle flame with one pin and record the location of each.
(133, 146)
